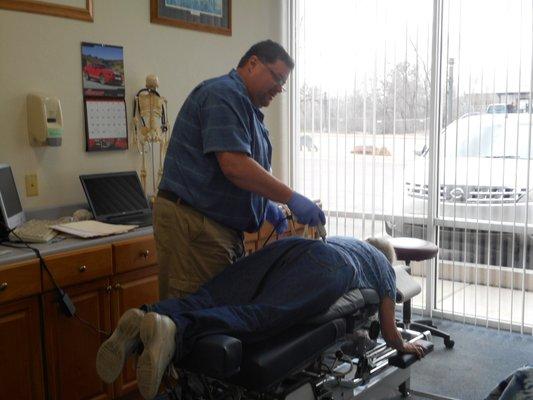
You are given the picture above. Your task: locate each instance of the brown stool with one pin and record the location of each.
(412, 249)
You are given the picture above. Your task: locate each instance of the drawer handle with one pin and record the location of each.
(145, 254)
(83, 268)
(3, 286)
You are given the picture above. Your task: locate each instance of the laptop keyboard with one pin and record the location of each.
(141, 220)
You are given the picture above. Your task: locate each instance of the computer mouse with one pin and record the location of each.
(82, 215)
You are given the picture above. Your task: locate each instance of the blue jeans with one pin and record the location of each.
(262, 294)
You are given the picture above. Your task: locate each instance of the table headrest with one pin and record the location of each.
(406, 286)
(413, 249)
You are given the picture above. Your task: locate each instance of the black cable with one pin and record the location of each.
(94, 328)
(6, 231)
(289, 217)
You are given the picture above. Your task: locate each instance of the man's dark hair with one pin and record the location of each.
(268, 52)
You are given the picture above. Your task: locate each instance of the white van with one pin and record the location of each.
(484, 185)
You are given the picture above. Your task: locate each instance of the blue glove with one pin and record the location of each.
(276, 217)
(306, 212)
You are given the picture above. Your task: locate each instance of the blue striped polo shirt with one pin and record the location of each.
(217, 116)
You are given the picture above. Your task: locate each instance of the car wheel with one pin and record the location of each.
(102, 79)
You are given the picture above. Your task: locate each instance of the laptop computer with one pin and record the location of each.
(117, 198)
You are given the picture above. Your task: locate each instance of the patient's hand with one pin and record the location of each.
(413, 348)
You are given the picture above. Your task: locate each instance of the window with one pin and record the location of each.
(365, 147)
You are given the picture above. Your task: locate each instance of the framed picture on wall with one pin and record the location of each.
(75, 9)
(203, 15)
(105, 124)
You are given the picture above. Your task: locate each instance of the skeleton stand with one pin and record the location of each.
(150, 126)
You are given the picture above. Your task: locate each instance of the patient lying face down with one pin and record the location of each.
(260, 295)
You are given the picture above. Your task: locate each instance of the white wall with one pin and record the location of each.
(40, 53)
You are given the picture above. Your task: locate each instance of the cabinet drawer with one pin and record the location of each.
(78, 266)
(19, 280)
(134, 254)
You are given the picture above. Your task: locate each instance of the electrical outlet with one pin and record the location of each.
(32, 188)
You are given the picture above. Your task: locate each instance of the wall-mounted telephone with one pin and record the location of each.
(45, 120)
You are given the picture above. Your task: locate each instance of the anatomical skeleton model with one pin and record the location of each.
(150, 127)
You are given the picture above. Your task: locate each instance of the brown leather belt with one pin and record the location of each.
(171, 196)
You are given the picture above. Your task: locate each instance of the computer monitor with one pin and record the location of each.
(10, 206)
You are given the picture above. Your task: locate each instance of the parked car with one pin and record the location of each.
(484, 187)
(501, 108)
(306, 143)
(102, 74)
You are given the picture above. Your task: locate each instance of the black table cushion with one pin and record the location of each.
(258, 365)
(404, 360)
(267, 363)
(217, 356)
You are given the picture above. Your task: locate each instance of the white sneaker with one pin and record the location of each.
(158, 336)
(113, 353)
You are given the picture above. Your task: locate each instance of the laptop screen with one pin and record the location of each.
(114, 194)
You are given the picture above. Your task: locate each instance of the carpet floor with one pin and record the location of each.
(481, 358)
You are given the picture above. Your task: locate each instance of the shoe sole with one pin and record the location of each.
(158, 340)
(113, 352)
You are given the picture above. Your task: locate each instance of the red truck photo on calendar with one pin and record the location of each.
(102, 70)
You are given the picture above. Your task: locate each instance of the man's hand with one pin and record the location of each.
(307, 212)
(413, 348)
(275, 215)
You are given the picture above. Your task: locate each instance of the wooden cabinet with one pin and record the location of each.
(21, 371)
(71, 345)
(134, 254)
(19, 280)
(131, 290)
(78, 266)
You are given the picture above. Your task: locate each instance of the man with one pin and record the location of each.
(216, 182)
(258, 296)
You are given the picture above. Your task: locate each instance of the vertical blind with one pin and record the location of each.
(362, 140)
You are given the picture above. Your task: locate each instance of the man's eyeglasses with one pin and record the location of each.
(279, 80)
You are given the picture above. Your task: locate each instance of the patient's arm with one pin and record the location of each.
(390, 332)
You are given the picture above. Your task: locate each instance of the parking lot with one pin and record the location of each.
(358, 189)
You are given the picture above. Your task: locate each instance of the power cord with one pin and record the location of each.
(65, 303)
(288, 218)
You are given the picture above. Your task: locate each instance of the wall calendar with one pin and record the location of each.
(106, 124)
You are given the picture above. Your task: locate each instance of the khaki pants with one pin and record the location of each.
(191, 248)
